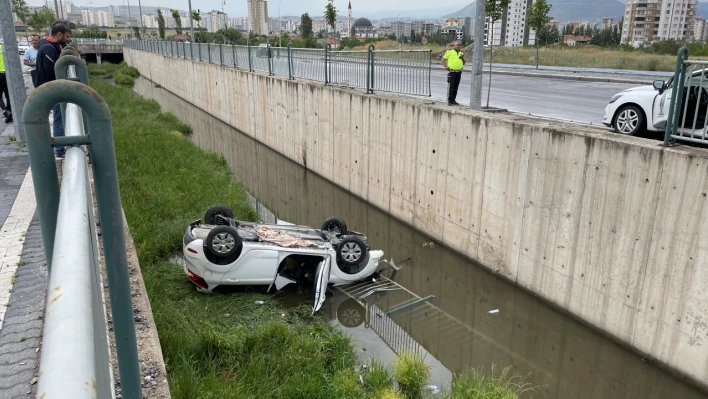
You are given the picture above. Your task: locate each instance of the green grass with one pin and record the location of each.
(224, 346)
(474, 384)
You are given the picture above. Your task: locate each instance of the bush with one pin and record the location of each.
(130, 71)
(377, 377)
(412, 374)
(388, 393)
(175, 124)
(473, 384)
(123, 79)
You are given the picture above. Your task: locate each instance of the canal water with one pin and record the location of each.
(471, 317)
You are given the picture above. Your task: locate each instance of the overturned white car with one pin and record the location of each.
(224, 251)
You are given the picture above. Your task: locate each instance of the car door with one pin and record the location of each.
(321, 281)
(255, 267)
(661, 107)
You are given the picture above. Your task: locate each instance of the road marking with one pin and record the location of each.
(12, 239)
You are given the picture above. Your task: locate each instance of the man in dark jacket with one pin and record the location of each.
(47, 55)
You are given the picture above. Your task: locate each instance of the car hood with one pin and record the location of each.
(638, 89)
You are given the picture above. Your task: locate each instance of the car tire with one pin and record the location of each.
(351, 251)
(223, 242)
(210, 217)
(629, 120)
(335, 225)
(350, 313)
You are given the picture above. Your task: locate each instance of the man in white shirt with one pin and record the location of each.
(31, 58)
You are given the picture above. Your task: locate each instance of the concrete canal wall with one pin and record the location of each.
(610, 228)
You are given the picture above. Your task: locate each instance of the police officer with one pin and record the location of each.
(4, 92)
(453, 61)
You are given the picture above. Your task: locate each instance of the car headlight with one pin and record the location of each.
(616, 97)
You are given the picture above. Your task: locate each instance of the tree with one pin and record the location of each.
(352, 33)
(21, 9)
(196, 15)
(330, 15)
(161, 24)
(178, 21)
(119, 35)
(495, 12)
(136, 32)
(40, 19)
(538, 19)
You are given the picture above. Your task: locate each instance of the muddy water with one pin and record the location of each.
(563, 357)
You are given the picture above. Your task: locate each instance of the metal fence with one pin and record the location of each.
(75, 359)
(688, 109)
(397, 71)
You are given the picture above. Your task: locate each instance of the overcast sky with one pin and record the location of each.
(287, 7)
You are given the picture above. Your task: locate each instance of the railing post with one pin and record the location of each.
(184, 50)
(221, 54)
(430, 68)
(679, 80)
(270, 60)
(46, 184)
(233, 52)
(199, 47)
(290, 61)
(250, 61)
(370, 70)
(326, 65)
(172, 48)
(209, 51)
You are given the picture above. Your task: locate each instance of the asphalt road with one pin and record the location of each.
(568, 100)
(563, 99)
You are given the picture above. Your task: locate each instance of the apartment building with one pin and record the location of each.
(258, 17)
(700, 34)
(646, 21)
(512, 30)
(98, 18)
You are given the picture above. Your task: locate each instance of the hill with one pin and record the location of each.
(568, 10)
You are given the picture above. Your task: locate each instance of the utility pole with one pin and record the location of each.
(280, 27)
(56, 11)
(13, 68)
(191, 23)
(478, 57)
(142, 25)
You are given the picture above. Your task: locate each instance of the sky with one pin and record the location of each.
(287, 7)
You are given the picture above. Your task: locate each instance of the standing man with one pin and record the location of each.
(453, 61)
(47, 55)
(4, 91)
(31, 58)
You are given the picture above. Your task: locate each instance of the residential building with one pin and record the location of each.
(554, 24)
(454, 33)
(239, 23)
(700, 32)
(585, 24)
(319, 25)
(646, 21)
(468, 27)
(258, 17)
(114, 9)
(401, 29)
(150, 22)
(98, 18)
(512, 30)
(214, 20)
(607, 23)
(572, 41)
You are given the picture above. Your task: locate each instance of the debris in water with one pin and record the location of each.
(429, 245)
(260, 302)
(227, 314)
(434, 389)
(495, 311)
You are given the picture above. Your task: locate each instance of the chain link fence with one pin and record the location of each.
(396, 71)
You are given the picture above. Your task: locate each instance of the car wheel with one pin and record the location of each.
(335, 225)
(223, 242)
(350, 313)
(629, 120)
(212, 215)
(351, 251)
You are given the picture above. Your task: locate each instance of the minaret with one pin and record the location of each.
(350, 16)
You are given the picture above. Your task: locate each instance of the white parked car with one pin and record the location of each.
(224, 251)
(646, 108)
(23, 48)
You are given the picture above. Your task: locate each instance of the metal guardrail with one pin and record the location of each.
(97, 41)
(75, 360)
(397, 71)
(688, 110)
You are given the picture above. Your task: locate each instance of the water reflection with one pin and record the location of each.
(565, 358)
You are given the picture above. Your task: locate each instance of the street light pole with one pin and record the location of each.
(56, 11)
(478, 57)
(13, 68)
(280, 27)
(191, 23)
(142, 25)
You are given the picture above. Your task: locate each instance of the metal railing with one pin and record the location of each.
(75, 360)
(98, 41)
(688, 110)
(397, 71)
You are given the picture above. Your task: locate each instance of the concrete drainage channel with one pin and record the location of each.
(490, 320)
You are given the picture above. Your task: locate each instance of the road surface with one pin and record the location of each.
(569, 100)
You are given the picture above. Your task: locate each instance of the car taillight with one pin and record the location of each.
(197, 280)
(194, 251)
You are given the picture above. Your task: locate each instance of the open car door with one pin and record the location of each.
(321, 281)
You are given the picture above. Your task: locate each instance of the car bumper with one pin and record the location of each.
(609, 114)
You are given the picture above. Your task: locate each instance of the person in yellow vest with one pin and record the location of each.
(4, 92)
(453, 61)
